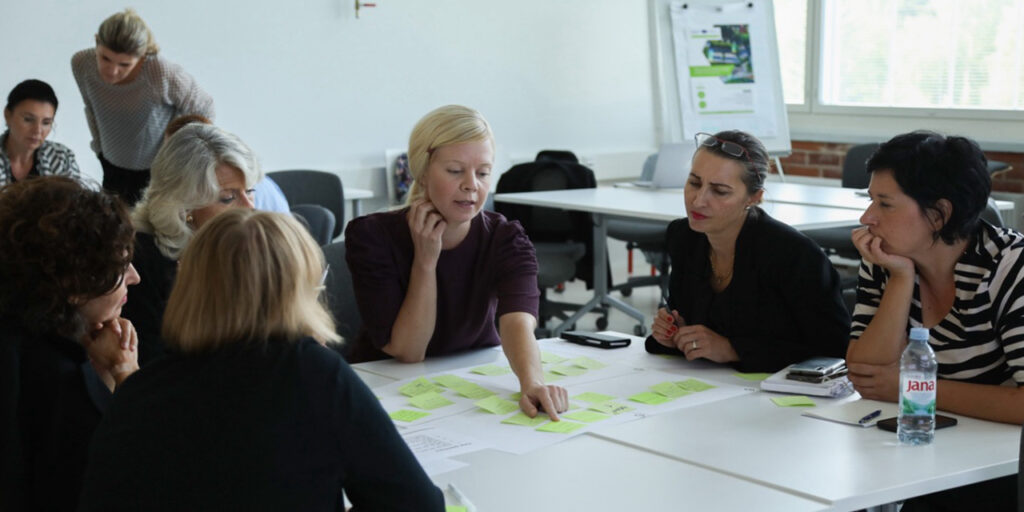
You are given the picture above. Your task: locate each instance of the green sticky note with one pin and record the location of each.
(588, 363)
(669, 389)
(793, 401)
(407, 415)
(753, 376)
(491, 370)
(429, 401)
(455, 508)
(570, 371)
(610, 407)
(526, 421)
(586, 416)
(696, 385)
(475, 391)
(418, 387)
(593, 398)
(552, 377)
(650, 398)
(450, 381)
(548, 357)
(495, 404)
(560, 427)
(515, 396)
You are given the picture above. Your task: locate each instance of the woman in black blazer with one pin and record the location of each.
(745, 289)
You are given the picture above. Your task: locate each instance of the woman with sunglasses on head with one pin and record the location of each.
(928, 260)
(744, 289)
(130, 95)
(24, 150)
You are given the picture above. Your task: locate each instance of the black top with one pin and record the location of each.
(50, 403)
(281, 427)
(783, 305)
(148, 298)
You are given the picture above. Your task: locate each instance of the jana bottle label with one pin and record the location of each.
(917, 394)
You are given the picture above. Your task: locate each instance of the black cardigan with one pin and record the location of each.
(148, 298)
(783, 305)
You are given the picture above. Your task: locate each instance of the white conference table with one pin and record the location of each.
(653, 204)
(739, 453)
(355, 195)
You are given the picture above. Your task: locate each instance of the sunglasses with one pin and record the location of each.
(728, 147)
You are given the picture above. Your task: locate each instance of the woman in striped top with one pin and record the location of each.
(130, 95)
(24, 150)
(929, 261)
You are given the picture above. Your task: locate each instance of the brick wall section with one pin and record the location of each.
(825, 160)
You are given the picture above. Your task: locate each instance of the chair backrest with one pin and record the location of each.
(855, 165)
(341, 296)
(991, 214)
(553, 170)
(314, 187)
(319, 221)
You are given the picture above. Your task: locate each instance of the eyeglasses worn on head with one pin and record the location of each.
(728, 147)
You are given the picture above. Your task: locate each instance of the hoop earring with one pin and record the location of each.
(190, 220)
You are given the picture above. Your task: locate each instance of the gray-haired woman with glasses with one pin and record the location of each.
(745, 289)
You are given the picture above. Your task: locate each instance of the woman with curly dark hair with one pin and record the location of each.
(65, 263)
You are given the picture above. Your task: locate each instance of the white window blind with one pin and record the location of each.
(936, 54)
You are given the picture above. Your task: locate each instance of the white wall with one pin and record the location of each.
(309, 86)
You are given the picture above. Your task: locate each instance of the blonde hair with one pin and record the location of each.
(247, 277)
(126, 32)
(443, 126)
(184, 178)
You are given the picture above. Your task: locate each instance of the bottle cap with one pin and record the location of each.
(919, 333)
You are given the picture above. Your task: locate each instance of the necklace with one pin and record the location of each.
(717, 277)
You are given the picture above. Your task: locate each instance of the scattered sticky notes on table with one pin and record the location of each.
(586, 416)
(455, 508)
(431, 400)
(560, 427)
(495, 404)
(475, 391)
(551, 377)
(650, 398)
(419, 387)
(515, 396)
(450, 381)
(593, 398)
(569, 371)
(407, 415)
(526, 421)
(793, 401)
(548, 357)
(753, 376)
(610, 407)
(588, 363)
(492, 370)
(669, 389)
(694, 385)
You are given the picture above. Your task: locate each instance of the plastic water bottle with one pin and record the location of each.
(917, 390)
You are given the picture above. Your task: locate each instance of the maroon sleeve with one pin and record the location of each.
(370, 250)
(516, 270)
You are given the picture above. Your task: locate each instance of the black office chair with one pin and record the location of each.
(646, 235)
(318, 220)
(836, 241)
(341, 297)
(314, 187)
(563, 240)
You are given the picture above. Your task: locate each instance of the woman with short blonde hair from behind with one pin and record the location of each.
(249, 394)
(130, 94)
(442, 275)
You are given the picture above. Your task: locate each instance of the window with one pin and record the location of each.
(791, 30)
(931, 54)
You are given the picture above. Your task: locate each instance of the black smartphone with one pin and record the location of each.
(816, 379)
(593, 339)
(818, 366)
(940, 422)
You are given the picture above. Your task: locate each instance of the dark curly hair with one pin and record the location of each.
(59, 240)
(929, 166)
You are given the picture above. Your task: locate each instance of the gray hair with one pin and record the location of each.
(184, 177)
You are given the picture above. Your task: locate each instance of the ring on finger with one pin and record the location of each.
(693, 345)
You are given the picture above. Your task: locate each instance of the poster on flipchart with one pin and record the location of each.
(726, 77)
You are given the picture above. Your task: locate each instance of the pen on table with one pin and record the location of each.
(463, 500)
(868, 417)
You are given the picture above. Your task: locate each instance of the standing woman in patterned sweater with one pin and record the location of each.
(130, 95)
